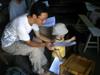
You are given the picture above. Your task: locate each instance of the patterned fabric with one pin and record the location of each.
(9, 37)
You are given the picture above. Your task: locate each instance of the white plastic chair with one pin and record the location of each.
(94, 32)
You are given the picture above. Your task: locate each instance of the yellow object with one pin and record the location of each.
(59, 51)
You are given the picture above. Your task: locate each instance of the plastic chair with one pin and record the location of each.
(94, 32)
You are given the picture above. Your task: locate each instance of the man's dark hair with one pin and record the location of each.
(38, 8)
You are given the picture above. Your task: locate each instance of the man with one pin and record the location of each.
(16, 39)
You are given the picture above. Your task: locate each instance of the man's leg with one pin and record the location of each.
(36, 55)
(38, 59)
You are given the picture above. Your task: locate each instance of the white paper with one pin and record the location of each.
(55, 66)
(50, 22)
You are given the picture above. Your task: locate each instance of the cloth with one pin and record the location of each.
(36, 55)
(17, 9)
(18, 29)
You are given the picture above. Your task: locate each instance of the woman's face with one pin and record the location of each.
(60, 36)
(41, 18)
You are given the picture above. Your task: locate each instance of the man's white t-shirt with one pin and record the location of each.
(18, 29)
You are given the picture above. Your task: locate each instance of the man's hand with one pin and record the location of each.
(49, 46)
(42, 44)
(37, 40)
(42, 37)
(35, 44)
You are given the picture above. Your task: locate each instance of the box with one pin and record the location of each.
(77, 65)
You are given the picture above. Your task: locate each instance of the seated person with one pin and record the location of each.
(16, 39)
(17, 8)
(60, 30)
(58, 52)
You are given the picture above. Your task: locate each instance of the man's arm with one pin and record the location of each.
(34, 44)
(43, 38)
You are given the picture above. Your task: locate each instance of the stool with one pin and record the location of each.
(77, 65)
